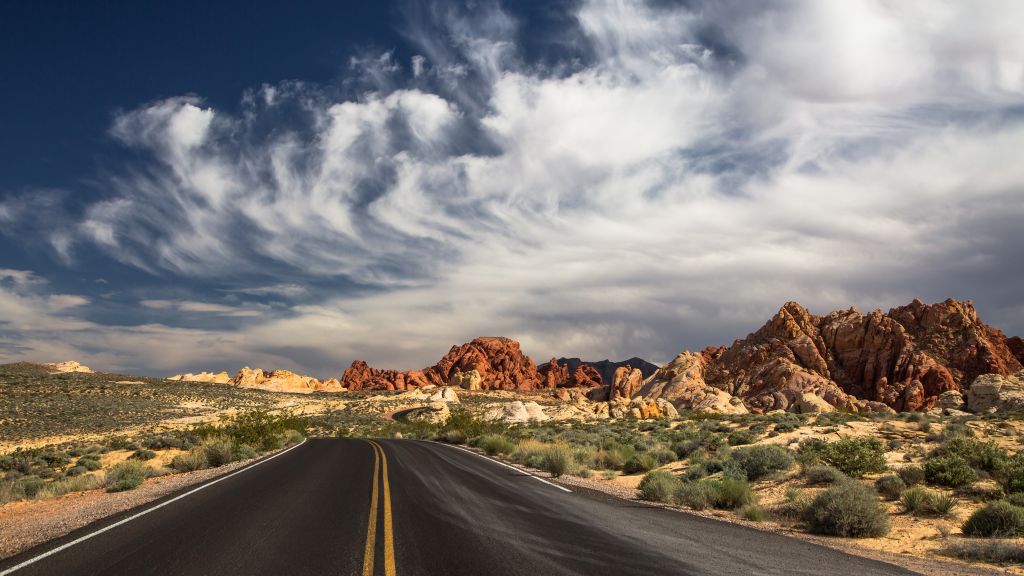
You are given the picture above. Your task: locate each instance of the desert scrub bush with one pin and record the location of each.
(496, 444)
(455, 436)
(72, 484)
(219, 451)
(30, 485)
(987, 456)
(733, 493)
(911, 475)
(890, 486)
(991, 551)
(847, 509)
(529, 452)
(742, 438)
(756, 462)
(1011, 473)
(557, 459)
(919, 501)
(819, 474)
(952, 471)
(658, 486)
(855, 457)
(243, 452)
(699, 495)
(792, 507)
(194, 459)
(126, 475)
(639, 463)
(143, 455)
(754, 513)
(999, 519)
(293, 437)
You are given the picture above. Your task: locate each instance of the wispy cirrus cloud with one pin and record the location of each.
(686, 171)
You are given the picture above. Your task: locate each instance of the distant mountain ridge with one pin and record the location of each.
(607, 368)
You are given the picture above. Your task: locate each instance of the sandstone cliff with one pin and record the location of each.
(905, 359)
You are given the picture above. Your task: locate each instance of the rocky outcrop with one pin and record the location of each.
(625, 382)
(218, 378)
(1016, 346)
(486, 363)
(283, 381)
(905, 359)
(67, 366)
(996, 393)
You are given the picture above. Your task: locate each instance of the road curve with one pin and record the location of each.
(409, 508)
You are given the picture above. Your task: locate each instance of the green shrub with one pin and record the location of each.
(817, 474)
(1017, 499)
(742, 437)
(1011, 473)
(30, 485)
(658, 486)
(293, 437)
(243, 452)
(911, 475)
(921, 502)
(143, 455)
(733, 493)
(557, 459)
(79, 483)
(454, 437)
(126, 475)
(219, 451)
(639, 463)
(890, 486)
(194, 459)
(991, 551)
(952, 471)
(847, 509)
(986, 456)
(854, 457)
(496, 444)
(754, 513)
(999, 518)
(756, 462)
(699, 495)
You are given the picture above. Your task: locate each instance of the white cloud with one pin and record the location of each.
(703, 167)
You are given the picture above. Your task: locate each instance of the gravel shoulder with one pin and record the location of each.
(25, 524)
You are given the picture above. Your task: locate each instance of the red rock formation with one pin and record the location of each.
(904, 360)
(555, 375)
(1016, 346)
(585, 377)
(626, 383)
(499, 361)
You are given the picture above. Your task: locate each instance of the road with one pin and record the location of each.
(402, 507)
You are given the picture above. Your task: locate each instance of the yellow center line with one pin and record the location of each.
(389, 540)
(371, 529)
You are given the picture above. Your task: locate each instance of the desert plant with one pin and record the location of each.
(999, 518)
(30, 485)
(911, 475)
(699, 495)
(921, 502)
(853, 456)
(219, 451)
(243, 452)
(890, 486)
(1011, 473)
(756, 462)
(639, 463)
(455, 436)
(194, 459)
(952, 471)
(817, 474)
(847, 509)
(143, 455)
(126, 475)
(986, 456)
(733, 493)
(557, 459)
(991, 551)
(754, 513)
(658, 486)
(914, 499)
(741, 438)
(496, 444)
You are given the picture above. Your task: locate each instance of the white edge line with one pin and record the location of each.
(143, 513)
(523, 472)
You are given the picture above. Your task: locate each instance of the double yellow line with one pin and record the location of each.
(380, 464)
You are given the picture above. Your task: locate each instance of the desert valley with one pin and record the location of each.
(911, 414)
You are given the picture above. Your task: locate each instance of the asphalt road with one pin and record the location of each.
(401, 507)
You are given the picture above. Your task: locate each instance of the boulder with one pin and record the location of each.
(469, 380)
(811, 404)
(996, 393)
(626, 382)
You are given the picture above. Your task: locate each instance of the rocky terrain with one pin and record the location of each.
(273, 381)
(915, 357)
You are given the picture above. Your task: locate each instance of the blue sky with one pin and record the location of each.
(197, 186)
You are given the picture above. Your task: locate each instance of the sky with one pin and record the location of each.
(200, 186)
